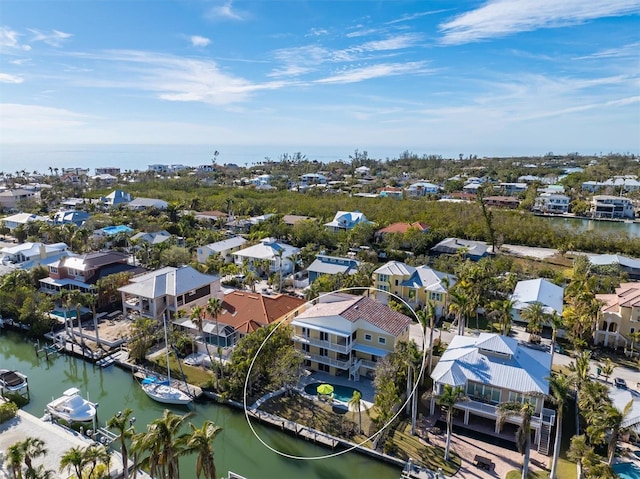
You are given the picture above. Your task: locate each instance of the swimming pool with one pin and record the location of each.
(61, 314)
(340, 393)
(627, 470)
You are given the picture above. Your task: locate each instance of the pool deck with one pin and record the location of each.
(365, 386)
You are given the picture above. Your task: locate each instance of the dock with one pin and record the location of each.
(295, 428)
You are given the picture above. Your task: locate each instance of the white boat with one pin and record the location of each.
(195, 359)
(163, 391)
(13, 382)
(72, 407)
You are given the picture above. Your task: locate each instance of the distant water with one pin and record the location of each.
(18, 157)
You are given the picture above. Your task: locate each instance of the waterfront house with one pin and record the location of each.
(492, 369)
(552, 203)
(168, 289)
(279, 256)
(612, 207)
(331, 265)
(310, 179)
(539, 290)
(139, 204)
(474, 250)
(107, 170)
(82, 272)
(391, 192)
(502, 201)
(346, 220)
(224, 249)
(346, 334)
(511, 189)
(28, 255)
(619, 316)
(415, 285)
(242, 313)
(13, 221)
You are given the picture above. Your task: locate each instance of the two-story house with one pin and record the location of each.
(27, 255)
(224, 249)
(346, 334)
(82, 272)
(415, 285)
(539, 290)
(620, 316)
(552, 203)
(279, 256)
(168, 289)
(493, 369)
(614, 207)
(346, 220)
(325, 264)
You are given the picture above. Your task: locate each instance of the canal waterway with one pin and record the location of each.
(236, 448)
(581, 225)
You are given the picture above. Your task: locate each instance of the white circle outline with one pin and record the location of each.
(339, 453)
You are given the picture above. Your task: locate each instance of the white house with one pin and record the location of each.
(28, 255)
(14, 221)
(347, 220)
(224, 248)
(538, 290)
(604, 206)
(422, 188)
(492, 369)
(552, 203)
(279, 255)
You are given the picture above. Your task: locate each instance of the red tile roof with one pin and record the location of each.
(377, 314)
(403, 227)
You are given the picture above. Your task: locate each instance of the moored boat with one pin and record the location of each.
(72, 407)
(13, 382)
(163, 392)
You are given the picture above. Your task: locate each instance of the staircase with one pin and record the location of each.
(545, 439)
(353, 370)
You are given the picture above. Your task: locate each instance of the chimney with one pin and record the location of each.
(43, 251)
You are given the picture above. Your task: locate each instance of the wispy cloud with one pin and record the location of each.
(23, 116)
(55, 38)
(8, 78)
(499, 18)
(317, 32)
(413, 16)
(171, 77)
(629, 50)
(225, 11)
(290, 71)
(199, 42)
(9, 40)
(375, 71)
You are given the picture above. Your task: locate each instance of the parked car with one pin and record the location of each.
(620, 383)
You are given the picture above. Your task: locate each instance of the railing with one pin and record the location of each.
(548, 416)
(327, 360)
(341, 348)
(368, 364)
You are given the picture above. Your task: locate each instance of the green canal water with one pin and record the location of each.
(236, 448)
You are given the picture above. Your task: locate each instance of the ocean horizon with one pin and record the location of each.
(39, 157)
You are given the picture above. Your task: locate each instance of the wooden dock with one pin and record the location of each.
(295, 428)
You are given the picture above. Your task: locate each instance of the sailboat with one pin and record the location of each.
(162, 390)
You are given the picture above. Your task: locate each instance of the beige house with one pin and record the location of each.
(416, 286)
(620, 316)
(347, 334)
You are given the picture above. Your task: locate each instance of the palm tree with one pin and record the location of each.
(525, 412)
(122, 422)
(164, 444)
(73, 459)
(635, 338)
(459, 305)
(606, 368)
(356, 403)
(556, 323)
(535, 316)
(502, 310)
(428, 313)
(580, 368)
(614, 419)
(32, 447)
(91, 299)
(200, 441)
(214, 308)
(15, 456)
(559, 385)
(95, 454)
(449, 398)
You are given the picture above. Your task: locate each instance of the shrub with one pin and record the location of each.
(8, 411)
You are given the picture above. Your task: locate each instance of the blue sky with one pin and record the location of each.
(496, 77)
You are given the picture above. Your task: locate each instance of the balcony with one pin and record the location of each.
(341, 348)
(368, 364)
(548, 416)
(327, 360)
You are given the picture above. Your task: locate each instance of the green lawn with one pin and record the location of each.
(195, 375)
(531, 475)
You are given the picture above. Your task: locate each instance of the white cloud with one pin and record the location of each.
(8, 78)
(290, 71)
(499, 18)
(398, 42)
(413, 16)
(375, 71)
(630, 50)
(225, 11)
(55, 38)
(9, 40)
(317, 32)
(199, 42)
(27, 120)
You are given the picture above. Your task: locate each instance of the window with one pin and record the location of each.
(367, 337)
(305, 348)
(323, 352)
(383, 287)
(484, 393)
(412, 294)
(324, 336)
(305, 332)
(382, 340)
(324, 367)
(435, 296)
(383, 278)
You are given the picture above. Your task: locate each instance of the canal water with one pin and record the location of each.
(236, 448)
(581, 225)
